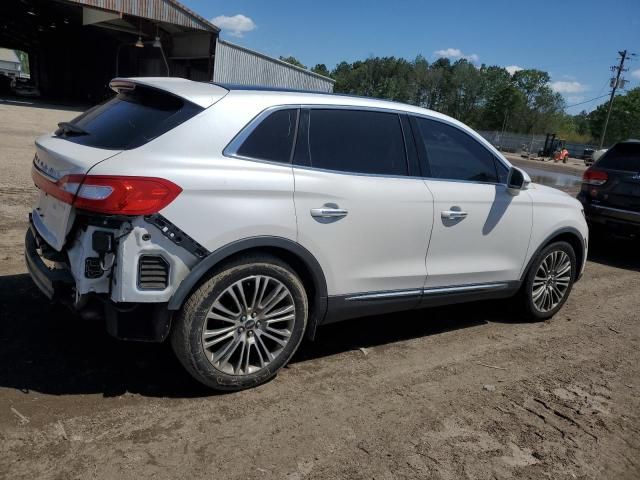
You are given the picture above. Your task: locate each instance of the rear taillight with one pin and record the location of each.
(594, 177)
(125, 195)
(55, 189)
(111, 194)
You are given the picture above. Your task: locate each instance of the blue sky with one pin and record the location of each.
(575, 41)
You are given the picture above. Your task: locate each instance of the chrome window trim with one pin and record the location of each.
(457, 127)
(231, 150)
(355, 174)
(453, 180)
(361, 108)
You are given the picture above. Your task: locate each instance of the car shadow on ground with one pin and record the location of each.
(46, 349)
(615, 251)
(397, 327)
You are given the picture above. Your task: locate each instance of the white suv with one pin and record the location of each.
(236, 220)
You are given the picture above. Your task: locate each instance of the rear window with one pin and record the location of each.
(273, 139)
(623, 156)
(357, 141)
(129, 120)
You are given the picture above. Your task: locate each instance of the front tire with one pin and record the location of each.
(549, 281)
(242, 324)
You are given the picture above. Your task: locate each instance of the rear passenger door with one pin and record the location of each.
(362, 209)
(481, 232)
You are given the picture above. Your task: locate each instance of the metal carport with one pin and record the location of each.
(76, 46)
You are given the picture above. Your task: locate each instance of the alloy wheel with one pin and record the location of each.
(551, 281)
(248, 325)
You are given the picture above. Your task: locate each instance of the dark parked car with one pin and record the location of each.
(587, 156)
(610, 190)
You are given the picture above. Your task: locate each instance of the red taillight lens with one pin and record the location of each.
(55, 188)
(594, 177)
(125, 195)
(111, 194)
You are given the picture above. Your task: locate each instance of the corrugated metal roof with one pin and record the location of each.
(169, 11)
(239, 65)
(7, 55)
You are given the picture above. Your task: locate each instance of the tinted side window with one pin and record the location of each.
(454, 155)
(357, 141)
(503, 171)
(272, 139)
(623, 156)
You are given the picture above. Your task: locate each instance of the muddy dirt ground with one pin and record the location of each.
(469, 391)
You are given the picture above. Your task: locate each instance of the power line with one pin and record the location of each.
(604, 85)
(587, 101)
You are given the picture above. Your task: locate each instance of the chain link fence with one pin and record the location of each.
(529, 144)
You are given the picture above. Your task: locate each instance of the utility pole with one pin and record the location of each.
(615, 83)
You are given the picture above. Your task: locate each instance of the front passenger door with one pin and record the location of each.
(481, 231)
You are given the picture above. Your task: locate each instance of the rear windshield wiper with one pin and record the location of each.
(69, 128)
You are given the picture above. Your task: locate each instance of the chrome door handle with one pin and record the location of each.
(453, 214)
(328, 212)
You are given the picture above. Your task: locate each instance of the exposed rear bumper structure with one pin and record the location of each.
(127, 321)
(52, 282)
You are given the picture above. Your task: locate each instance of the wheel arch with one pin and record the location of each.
(294, 254)
(570, 235)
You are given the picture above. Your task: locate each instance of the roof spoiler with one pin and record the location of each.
(203, 94)
(118, 85)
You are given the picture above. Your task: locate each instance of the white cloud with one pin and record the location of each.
(567, 87)
(237, 25)
(636, 74)
(456, 53)
(449, 52)
(513, 69)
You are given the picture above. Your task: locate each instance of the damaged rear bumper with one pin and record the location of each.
(132, 309)
(53, 282)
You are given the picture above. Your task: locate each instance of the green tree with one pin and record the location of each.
(486, 98)
(321, 69)
(502, 109)
(498, 98)
(387, 77)
(538, 111)
(624, 121)
(575, 128)
(466, 91)
(436, 86)
(24, 61)
(293, 61)
(581, 123)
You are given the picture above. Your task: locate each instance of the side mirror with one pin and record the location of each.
(517, 180)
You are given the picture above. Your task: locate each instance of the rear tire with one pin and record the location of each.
(242, 324)
(549, 281)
